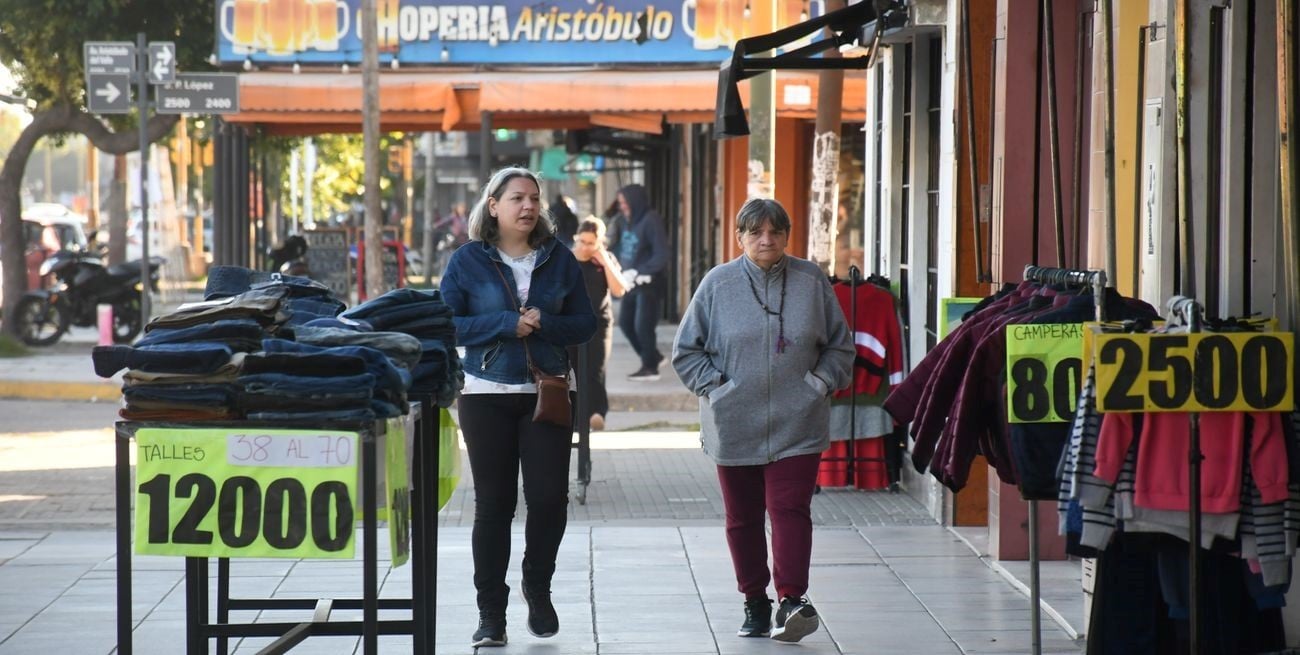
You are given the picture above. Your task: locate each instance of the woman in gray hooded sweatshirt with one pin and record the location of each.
(764, 343)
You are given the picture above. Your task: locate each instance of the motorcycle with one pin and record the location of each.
(83, 283)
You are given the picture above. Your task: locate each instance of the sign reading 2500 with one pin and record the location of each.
(505, 31)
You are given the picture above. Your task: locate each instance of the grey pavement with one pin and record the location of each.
(644, 567)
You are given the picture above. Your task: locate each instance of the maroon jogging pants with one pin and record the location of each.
(783, 490)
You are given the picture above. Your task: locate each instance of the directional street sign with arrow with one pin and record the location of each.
(108, 93)
(162, 62)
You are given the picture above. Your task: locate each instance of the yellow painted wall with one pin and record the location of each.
(1130, 15)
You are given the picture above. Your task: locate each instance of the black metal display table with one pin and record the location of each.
(200, 627)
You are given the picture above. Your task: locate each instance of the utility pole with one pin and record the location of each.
(408, 187)
(92, 181)
(430, 211)
(142, 100)
(760, 18)
(374, 261)
(823, 202)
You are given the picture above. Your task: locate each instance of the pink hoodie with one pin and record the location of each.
(1162, 480)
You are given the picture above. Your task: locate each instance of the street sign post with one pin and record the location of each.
(162, 62)
(199, 93)
(108, 57)
(108, 93)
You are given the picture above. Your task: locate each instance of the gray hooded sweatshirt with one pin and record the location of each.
(757, 405)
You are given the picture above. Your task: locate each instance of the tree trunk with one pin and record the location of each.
(824, 199)
(430, 210)
(56, 119)
(374, 257)
(117, 213)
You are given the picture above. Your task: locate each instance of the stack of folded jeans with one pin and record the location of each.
(423, 315)
(182, 381)
(387, 383)
(304, 299)
(319, 386)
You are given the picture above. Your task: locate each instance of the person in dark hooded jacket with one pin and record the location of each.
(641, 246)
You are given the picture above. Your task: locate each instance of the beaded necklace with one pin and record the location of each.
(779, 313)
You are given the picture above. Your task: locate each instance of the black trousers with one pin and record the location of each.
(638, 314)
(502, 439)
(597, 351)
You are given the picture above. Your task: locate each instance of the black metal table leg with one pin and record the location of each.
(223, 602)
(122, 487)
(370, 542)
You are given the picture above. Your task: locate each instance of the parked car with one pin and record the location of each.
(47, 229)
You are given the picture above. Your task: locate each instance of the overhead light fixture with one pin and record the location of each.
(803, 13)
(446, 54)
(492, 39)
(297, 68)
(394, 64)
(212, 59)
(344, 68)
(248, 64)
(748, 13)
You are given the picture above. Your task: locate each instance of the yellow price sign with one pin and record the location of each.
(399, 490)
(1204, 372)
(245, 493)
(1044, 371)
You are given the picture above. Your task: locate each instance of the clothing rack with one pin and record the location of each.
(1191, 313)
(1075, 278)
(851, 459)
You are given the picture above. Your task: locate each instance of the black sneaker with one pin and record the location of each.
(795, 619)
(491, 630)
(758, 618)
(542, 620)
(644, 374)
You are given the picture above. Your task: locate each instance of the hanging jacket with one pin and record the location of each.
(877, 337)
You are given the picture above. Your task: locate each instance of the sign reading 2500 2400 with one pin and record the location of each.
(1204, 372)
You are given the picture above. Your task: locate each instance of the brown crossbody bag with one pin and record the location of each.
(553, 404)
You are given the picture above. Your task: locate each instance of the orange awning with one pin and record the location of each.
(288, 103)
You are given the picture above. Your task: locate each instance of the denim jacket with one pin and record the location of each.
(485, 313)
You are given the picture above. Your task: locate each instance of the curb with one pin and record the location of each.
(107, 392)
(661, 402)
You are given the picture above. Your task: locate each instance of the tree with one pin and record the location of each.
(41, 41)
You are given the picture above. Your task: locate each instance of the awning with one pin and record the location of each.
(843, 23)
(640, 100)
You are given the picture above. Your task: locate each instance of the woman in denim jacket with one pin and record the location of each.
(514, 283)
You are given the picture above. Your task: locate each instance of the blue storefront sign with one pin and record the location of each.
(441, 32)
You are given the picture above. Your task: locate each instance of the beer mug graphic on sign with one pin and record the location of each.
(705, 31)
(287, 26)
(330, 20)
(246, 26)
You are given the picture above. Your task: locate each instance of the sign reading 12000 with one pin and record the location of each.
(241, 493)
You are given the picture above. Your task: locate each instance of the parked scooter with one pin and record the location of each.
(83, 283)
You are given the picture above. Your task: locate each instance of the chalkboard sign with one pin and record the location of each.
(328, 260)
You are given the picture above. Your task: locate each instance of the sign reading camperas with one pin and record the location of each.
(504, 31)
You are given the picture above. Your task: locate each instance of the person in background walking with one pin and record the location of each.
(763, 344)
(518, 301)
(566, 222)
(601, 272)
(641, 246)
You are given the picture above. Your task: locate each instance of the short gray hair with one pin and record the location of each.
(484, 227)
(757, 211)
